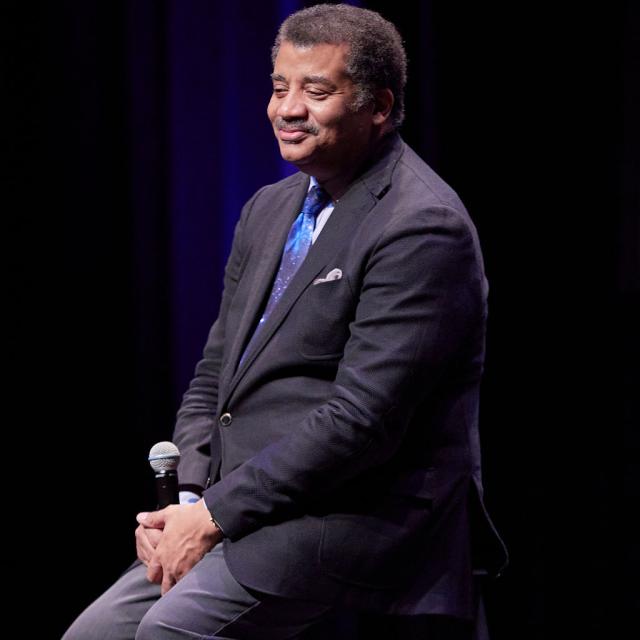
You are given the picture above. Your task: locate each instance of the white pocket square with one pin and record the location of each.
(334, 274)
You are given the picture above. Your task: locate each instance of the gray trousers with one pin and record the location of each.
(206, 603)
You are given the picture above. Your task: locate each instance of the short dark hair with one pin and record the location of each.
(376, 58)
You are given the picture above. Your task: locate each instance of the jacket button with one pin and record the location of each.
(225, 419)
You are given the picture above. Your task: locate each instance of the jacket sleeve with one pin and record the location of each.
(420, 300)
(196, 416)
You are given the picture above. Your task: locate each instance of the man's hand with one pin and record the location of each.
(147, 540)
(187, 534)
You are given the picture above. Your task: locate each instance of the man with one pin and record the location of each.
(331, 425)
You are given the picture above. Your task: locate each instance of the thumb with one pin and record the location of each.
(153, 519)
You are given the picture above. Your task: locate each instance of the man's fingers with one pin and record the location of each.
(153, 536)
(153, 519)
(154, 572)
(146, 543)
(167, 582)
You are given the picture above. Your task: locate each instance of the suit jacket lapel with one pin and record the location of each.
(269, 261)
(347, 214)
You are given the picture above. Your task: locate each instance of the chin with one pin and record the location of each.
(293, 154)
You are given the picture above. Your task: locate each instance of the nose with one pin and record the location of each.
(292, 106)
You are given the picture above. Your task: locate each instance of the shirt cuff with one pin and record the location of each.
(188, 497)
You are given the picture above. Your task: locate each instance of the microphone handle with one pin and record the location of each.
(167, 488)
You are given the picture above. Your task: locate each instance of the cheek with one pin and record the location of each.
(271, 110)
(352, 128)
(331, 125)
(326, 114)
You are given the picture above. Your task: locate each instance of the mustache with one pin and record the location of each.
(296, 125)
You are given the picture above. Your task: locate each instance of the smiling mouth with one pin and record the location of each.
(292, 136)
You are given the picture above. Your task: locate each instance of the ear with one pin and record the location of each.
(382, 106)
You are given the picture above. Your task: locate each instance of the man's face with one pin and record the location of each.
(311, 109)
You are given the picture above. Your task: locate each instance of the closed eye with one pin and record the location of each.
(316, 95)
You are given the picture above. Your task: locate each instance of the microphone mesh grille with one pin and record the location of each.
(164, 456)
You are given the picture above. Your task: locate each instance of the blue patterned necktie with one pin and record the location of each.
(295, 250)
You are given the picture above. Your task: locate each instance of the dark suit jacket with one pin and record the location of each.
(343, 452)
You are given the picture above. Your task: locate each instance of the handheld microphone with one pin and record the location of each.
(164, 458)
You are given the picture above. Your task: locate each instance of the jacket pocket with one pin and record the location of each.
(323, 314)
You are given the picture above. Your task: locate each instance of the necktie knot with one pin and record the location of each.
(316, 200)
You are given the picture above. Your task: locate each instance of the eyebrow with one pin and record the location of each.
(276, 77)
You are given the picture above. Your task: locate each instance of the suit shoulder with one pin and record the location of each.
(290, 182)
(274, 190)
(418, 180)
(420, 198)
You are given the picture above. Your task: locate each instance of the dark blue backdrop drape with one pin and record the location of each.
(208, 144)
(145, 130)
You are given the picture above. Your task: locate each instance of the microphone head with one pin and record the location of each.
(164, 456)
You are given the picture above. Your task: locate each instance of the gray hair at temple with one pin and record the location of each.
(376, 58)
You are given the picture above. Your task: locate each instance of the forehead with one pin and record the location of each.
(328, 60)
